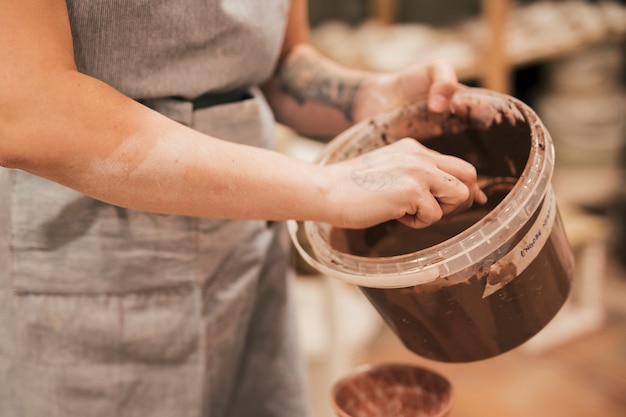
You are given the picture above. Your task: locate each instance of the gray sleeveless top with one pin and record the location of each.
(160, 48)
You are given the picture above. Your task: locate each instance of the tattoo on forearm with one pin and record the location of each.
(372, 179)
(305, 79)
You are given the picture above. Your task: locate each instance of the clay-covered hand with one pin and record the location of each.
(435, 81)
(404, 181)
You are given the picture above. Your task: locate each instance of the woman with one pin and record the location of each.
(138, 272)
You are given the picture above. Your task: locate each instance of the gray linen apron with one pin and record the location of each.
(112, 312)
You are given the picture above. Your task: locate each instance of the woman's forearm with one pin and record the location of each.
(83, 134)
(314, 95)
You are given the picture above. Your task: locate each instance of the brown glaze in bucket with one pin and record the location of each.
(392, 390)
(475, 285)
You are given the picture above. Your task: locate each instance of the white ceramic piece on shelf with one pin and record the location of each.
(595, 70)
(338, 41)
(393, 48)
(614, 15)
(593, 126)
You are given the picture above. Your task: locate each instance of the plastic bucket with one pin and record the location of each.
(480, 283)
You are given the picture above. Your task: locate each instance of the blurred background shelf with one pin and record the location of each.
(485, 47)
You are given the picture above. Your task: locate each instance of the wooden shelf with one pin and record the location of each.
(496, 74)
(506, 36)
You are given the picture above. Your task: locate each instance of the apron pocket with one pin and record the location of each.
(65, 242)
(130, 355)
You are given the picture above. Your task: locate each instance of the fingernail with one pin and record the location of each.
(437, 103)
(482, 197)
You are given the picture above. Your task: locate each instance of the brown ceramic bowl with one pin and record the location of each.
(392, 390)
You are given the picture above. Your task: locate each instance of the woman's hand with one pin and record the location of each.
(435, 82)
(404, 181)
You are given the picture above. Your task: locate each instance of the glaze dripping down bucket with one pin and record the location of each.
(480, 283)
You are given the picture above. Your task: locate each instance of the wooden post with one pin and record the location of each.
(496, 71)
(384, 11)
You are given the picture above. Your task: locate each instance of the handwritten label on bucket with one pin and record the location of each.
(526, 250)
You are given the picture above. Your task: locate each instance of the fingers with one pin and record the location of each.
(452, 188)
(405, 181)
(444, 84)
(459, 170)
(447, 196)
(436, 80)
(451, 194)
(427, 212)
(479, 195)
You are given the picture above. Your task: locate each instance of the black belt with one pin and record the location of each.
(215, 99)
(181, 109)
